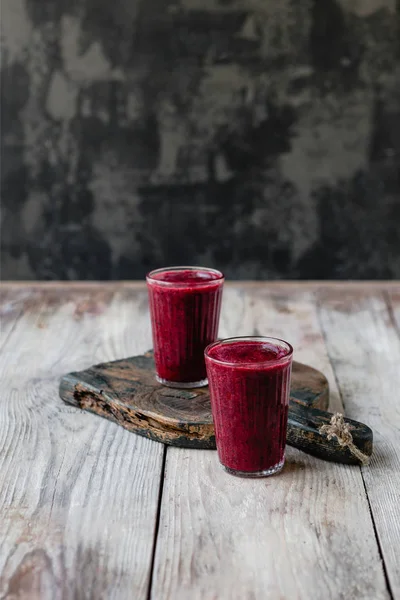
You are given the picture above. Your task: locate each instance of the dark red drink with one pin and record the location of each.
(249, 381)
(185, 304)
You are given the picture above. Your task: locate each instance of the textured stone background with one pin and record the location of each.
(259, 136)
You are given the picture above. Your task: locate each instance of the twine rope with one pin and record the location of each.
(340, 430)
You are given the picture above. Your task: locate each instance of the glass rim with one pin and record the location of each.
(151, 279)
(250, 338)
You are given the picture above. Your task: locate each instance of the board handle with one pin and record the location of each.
(304, 433)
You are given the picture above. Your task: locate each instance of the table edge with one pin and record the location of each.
(350, 284)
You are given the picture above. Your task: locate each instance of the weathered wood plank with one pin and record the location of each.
(10, 312)
(306, 533)
(364, 346)
(393, 300)
(78, 495)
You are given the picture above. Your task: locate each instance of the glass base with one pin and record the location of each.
(183, 384)
(271, 471)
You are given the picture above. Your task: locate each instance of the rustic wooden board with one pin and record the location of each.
(178, 417)
(306, 533)
(127, 393)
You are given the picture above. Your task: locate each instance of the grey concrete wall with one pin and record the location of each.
(259, 136)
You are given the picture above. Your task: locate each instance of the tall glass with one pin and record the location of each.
(185, 305)
(249, 379)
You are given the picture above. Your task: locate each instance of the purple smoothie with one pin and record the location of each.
(249, 381)
(185, 304)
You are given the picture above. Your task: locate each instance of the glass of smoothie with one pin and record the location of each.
(249, 379)
(185, 304)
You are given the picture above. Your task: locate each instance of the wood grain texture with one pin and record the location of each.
(364, 344)
(78, 495)
(10, 312)
(393, 301)
(306, 533)
(126, 392)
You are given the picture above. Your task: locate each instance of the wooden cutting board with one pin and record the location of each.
(126, 392)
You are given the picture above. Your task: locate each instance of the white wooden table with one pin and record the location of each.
(91, 511)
